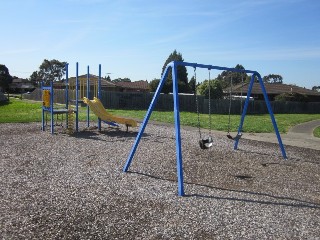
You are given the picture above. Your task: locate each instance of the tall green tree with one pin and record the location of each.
(108, 78)
(192, 84)
(52, 70)
(216, 91)
(273, 78)
(182, 74)
(35, 78)
(154, 84)
(5, 78)
(237, 77)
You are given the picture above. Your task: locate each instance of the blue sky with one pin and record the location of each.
(133, 38)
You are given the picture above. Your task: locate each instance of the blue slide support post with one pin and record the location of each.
(77, 97)
(67, 86)
(88, 96)
(99, 95)
(48, 109)
(42, 115)
(51, 108)
(67, 93)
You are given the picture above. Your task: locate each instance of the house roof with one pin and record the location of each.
(143, 85)
(137, 85)
(93, 79)
(21, 83)
(273, 88)
(20, 80)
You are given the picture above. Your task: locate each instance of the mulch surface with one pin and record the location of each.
(72, 187)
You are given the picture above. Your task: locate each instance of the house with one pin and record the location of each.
(93, 81)
(273, 90)
(137, 86)
(20, 85)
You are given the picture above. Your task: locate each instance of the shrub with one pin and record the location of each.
(292, 97)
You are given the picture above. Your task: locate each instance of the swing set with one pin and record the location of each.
(239, 134)
(206, 142)
(203, 142)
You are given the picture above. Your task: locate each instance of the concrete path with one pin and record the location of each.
(300, 136)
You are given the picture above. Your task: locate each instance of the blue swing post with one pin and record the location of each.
(174, 65)
(99, 95)
(88, 96)
(177, 128)
(146, 119)
(265, 95)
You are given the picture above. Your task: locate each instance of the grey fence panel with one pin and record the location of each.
(258, 107)
(35, 95)
(141, 101)
(313, 107)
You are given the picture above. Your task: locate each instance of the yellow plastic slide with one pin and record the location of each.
(99, 110)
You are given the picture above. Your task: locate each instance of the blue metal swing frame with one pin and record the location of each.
(174, 66)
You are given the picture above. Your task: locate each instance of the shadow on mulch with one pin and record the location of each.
(279, 200)
(118, 134)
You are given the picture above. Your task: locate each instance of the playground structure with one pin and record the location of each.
(174, 66)
(48, 109)
(78, 91)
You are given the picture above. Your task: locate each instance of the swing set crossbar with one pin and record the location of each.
(174, 66)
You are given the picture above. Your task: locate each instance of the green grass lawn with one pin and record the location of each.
(27, 111)
(316, 132)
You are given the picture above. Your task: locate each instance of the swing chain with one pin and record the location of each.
(209, 102)
(197, 102)
(230, 99)
(241, 93)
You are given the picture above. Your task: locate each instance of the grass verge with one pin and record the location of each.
(316, 132)
(27, 111)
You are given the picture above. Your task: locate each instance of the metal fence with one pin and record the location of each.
(141, 101)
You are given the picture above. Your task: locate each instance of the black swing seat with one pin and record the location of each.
(237, 137)
(206, 143)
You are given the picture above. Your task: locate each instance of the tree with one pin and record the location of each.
(35, 78)
(273, 78)
(52, 70)
(192, 84)
(316, 88)
(154, 84)
(5, 78)
(182, 74)
(108, 78)
(121, 80)
(216, 91)
(237, 77)
(293, 97)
